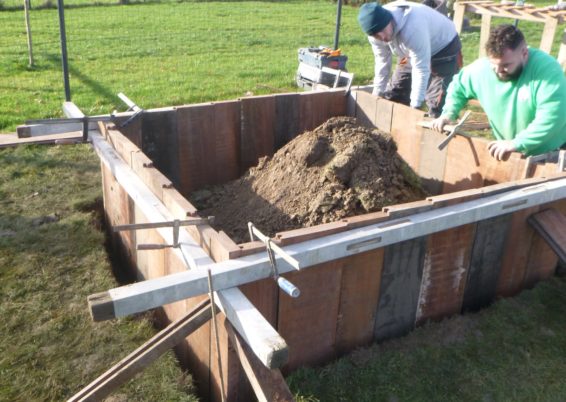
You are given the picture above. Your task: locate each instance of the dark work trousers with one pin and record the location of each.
(444, 65)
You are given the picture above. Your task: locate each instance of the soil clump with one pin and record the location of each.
(339, 169)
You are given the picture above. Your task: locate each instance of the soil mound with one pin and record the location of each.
(340, 169)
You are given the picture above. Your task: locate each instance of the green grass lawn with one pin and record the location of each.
(173, 53)
(170, 53)
(52, 257)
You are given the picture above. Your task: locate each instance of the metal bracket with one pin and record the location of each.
(272, 248)
(175, 224)
(131, 107)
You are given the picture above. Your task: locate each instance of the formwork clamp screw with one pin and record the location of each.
(175, 224)
(273, 249)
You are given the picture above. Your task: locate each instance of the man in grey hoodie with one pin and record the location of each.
(427, 47)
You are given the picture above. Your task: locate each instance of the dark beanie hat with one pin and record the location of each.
(373, 18)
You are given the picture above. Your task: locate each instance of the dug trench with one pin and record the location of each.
(337, 170)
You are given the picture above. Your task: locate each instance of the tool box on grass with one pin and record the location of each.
(321, 65)
(322, 57)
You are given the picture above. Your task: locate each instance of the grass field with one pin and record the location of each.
(51, 249)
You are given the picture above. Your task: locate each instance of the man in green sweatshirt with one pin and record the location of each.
(522, 90)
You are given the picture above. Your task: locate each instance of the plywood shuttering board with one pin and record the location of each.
(308, 323)
(371, 111)
(119, 210)
(516, 254)
(485, 265)
(208, 144)
(471, 166)
(407, 133)
(317, 107)
(335, 312)
(432, 161)
(445, 271)
(160, 141)
(258, 130)
(400, 288)
(359, 292)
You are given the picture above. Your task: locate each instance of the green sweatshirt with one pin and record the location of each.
(531, 110)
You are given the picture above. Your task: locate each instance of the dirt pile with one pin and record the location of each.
(339, 169)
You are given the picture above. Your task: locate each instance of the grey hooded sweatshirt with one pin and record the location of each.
(419, 33)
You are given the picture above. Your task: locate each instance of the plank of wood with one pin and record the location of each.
(359, 293)
(407, 133)
(485, 264)
(12, 140)
(308, 322)
(366, 109)
(446, 266)
(268, 384)
(401, 280)
(458, 18)
(159, 138)
(431, 168)
(317, 107)
(548, 32)
(384, 114)
(258, 128)
(516, 254)
(287, 113)
(562, 52)
(146, 354)
(484, 33)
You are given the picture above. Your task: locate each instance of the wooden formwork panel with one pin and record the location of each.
(159, 137)
(408, 134)
(118, 210)
(485, 263)
(288, 117)
(370, 296)
(401, 279)
(258, 130)
(516, 254)
(208, 144)
(433, 163)
(308, 323)
(359, 293)
(446, 265)
(317, 107)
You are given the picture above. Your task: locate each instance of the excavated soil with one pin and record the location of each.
(339, 169)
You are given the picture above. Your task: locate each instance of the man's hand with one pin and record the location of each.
(500, 150)
(439, 123)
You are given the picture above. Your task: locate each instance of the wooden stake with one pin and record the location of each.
(146, 354)
(268, 384)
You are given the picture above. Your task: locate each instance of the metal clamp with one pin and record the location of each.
(175, 224)
(131, 107)
(271, 249)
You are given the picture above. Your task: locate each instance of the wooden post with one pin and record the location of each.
(484, 34)
(459, 10)
(28, 30)
(548, 35)
(562, 52)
